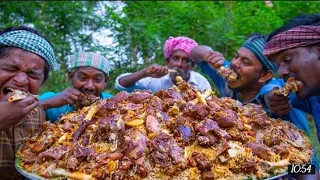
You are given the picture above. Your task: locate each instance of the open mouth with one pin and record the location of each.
(6, 90)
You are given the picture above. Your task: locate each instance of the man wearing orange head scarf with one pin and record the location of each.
(156, 77)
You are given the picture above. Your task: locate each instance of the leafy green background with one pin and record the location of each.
(139, 29)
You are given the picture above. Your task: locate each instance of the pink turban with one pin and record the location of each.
(178, 43)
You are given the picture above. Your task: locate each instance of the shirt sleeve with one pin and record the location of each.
(303, 105)
(52, 114)
(141, 84)
(105, 95)
(270, 85)
(46, 95)
(219, 82)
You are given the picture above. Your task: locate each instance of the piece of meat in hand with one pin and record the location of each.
(292, 85)
(86, 100)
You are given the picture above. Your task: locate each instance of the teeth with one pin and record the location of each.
(7, 90)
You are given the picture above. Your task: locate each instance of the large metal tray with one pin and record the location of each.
(32, 176)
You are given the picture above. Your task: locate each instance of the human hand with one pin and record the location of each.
(13, 112)
(68, 96)
(214, 58)
(156, 71)
(279, 104)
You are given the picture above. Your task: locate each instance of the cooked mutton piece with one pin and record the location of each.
(202, 163)
(207, 140)
(227, 73)
(185, 134)
(86, 100)
(209, 125)
(248, 166)
(165, 151)
(196, 111)
(19, 95)
(227, 119)
(207, 175)
(261, 150)
(135, 144)
(292, 85)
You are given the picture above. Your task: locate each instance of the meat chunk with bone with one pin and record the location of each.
(202, 163)
(227, 119)
(207, 175)
(165, 151)
(55, 153)
(209, 125)
(208, 140)
(222, 147)
(195, 111)
(261, 150)
(135, 144)
(272, 138)
(121, 96)
(86, 100)
(292, 85)
(80, 151)
(281, 150)
(248, 166)
(104, 158)
(138, 97)
(186, 134)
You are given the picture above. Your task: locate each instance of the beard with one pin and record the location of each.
(307, 92)
(246, 86)
(180, 72)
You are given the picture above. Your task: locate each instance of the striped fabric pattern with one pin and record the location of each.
(31, 42)
(89, 59)
(295, 37)
(256, 44)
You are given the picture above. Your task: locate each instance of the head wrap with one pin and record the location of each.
(295, 37)
(255, 44)
(89, 59)
(178, 43)
(32, 42)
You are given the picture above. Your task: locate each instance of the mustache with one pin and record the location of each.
(180, 71)
(86, 91)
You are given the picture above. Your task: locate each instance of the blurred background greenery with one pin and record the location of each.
(131, 34)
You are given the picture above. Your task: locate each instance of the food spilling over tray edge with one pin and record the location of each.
(179, 133)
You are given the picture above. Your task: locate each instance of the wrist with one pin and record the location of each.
(144, 73)
(48, 103)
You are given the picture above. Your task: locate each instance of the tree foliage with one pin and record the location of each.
(140, 28)
(65, 24)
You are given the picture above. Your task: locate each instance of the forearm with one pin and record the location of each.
(219, 82)
(48, 103)
(198, 53)
(129, 80)
(3, 124)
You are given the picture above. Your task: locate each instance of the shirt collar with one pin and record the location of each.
(255, 100)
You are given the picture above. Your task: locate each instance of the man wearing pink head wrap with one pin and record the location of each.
(156, 77)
